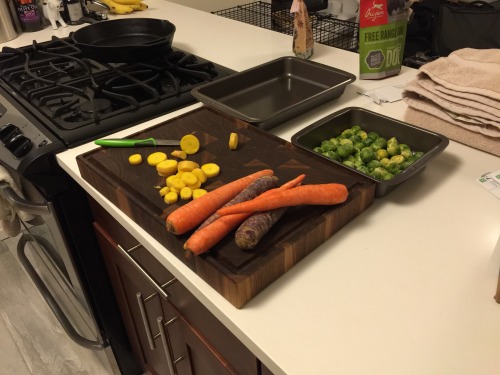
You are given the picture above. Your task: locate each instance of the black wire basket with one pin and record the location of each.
(326, 28)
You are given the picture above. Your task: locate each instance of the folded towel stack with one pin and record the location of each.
(9, 217)
(459, 97)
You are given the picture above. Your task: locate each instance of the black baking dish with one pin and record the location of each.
(432, 144)
(276, 91)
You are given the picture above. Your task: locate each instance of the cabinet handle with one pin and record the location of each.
(145, 320)
(154, 284)
(167, 344)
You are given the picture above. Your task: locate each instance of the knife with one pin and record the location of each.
(123, 142)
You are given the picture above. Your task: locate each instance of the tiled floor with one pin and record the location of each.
(31, 340)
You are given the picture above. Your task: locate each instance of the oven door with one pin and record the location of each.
(43, 253)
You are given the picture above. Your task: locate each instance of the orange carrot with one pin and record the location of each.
(205, 238)
(196, 211)
(321, 194)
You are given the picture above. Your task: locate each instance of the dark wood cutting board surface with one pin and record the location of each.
(236, 274)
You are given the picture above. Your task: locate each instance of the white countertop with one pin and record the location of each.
(405, 288)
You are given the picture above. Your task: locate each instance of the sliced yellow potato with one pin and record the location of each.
(167, 167)
(189, 178)
(179, 154)
(164, 190)
(175, 183)
(200, 175)
(233, 141)
(190, 144)
(135, 159)
(187, 166)
(186, 193)
(195, 186)
(210, 169)
(171, 197)
(156, 158)
(174, 189)
(198, 193)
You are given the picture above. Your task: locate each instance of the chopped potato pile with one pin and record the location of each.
(183, 178)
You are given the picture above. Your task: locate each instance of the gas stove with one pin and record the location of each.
(52, 97)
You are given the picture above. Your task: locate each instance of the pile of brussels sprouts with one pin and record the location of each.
(369, 153)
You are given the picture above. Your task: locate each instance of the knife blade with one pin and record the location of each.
(124, 142)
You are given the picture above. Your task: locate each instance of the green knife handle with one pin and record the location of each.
(126, 142)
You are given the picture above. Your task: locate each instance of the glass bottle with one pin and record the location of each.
(29, 15)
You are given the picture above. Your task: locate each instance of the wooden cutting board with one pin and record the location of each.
(236, 274)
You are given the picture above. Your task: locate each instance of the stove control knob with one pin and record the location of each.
(7, 132)
(19, 145)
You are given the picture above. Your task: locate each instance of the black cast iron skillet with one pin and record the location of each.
(125, 40)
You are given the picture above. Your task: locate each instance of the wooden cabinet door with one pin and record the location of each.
(204, 358)
(175, 347)
(194, 340)
(129, 285)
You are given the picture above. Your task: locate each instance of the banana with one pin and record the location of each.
(127, 2)
(116, 8)
(142, 6)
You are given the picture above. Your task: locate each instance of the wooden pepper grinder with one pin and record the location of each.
(303, 41)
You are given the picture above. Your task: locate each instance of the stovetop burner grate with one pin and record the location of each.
(83, 98)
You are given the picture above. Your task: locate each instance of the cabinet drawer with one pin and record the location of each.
(194, 314)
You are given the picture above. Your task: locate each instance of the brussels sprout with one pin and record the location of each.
(334, 141)
(405, 164)
(398, 159)
(362, 169)
(344, 150)
(384, 161)
(405, 150)
(392, 140)
(345, 141)
(376, 174)
(381, 153)
(380, 170)
(327, 146)
(381, 141)
(350, 158)
(359, 145)
(387, 176)
(393, 149)
(354, 139)
(347, 133)
(362, 134)
(392, 167)
(332, 155)
(348, 163)
(373, 164)
(359, 163)
(367, 154)
(367, 141)
(355, 129)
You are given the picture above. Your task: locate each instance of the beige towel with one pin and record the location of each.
(468, 70)
(9, 217)
(462, 115)
(456, 133)
(459, 95)
(478, 102)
